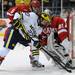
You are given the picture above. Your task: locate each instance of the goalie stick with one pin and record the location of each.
(53, 57)
(62, 65)
(57, 59)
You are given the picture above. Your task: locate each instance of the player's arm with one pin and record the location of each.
(18, 25)
(16, 21)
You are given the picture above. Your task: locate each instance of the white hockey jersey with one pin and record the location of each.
(30, 21)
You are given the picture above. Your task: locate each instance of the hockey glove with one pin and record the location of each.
(16, 24)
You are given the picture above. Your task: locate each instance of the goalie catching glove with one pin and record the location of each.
(43, 39)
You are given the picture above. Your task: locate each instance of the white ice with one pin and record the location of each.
(17, 63)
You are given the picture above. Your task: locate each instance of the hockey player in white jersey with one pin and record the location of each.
(24, 26)
(35, 6)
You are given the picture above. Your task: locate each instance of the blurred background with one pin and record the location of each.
(56, 6)
(4, 6)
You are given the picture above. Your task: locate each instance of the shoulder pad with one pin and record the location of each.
(33, 15)
(12, 10)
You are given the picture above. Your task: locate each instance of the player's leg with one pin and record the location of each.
(3, 52)
(64, 46)
(54, 46)
(34, 57)
(9, 43)
(68, 46)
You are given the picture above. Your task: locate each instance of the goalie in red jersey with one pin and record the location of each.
(59, 26)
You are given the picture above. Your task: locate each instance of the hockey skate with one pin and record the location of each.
(35, 63)
(69, 65)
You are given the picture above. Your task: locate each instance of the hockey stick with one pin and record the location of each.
(26, 34)
(63, 66)
(55, 58)
(52, 56)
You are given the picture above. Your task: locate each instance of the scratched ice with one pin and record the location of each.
(17, 63)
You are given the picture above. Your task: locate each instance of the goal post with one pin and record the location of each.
(73, 36)
(71, 31)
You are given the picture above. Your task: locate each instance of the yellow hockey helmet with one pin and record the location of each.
(19, 1)
(22, 1)
(45, 17)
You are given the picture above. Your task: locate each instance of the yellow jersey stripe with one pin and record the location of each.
(9, 38)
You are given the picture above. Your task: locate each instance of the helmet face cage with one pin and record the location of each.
(48, 12)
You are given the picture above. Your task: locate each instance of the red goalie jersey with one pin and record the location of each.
(60, 25)
(44, 35)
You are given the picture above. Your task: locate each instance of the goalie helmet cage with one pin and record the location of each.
(71, 31)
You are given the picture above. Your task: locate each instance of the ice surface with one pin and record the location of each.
(17, 63)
